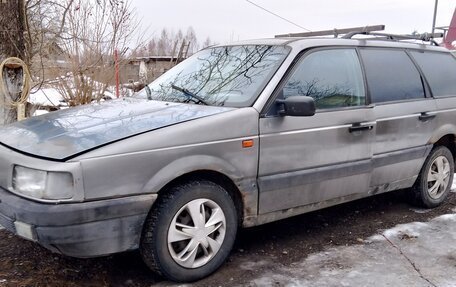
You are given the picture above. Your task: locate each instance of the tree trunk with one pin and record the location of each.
(11, 45)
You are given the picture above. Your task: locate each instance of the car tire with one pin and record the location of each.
(435, 179)
(190, 231)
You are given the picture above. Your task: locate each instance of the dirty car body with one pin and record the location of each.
(89, 181)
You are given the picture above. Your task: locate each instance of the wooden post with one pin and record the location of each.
(12, 44)
(116, 59)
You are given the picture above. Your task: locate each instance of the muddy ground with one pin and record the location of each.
(286, 242)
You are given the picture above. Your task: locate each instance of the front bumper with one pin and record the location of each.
(83, 230)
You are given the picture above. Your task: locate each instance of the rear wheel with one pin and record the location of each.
(435, 179)
(190, 231)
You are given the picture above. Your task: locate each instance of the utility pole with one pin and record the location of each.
(435, 15)
(12, 44)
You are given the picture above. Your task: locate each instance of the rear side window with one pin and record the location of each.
(332, 77)
(439, 70)
(391, 75)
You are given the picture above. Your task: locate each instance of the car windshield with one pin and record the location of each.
(230, 76)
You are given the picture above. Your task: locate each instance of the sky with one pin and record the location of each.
(227, 21)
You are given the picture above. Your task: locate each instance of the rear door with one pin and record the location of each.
(305, 160)
(405, 116)
(439, 68)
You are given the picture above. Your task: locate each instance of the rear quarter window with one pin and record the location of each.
(391, 75)
(439, 70)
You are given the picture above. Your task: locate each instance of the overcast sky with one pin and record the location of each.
(231, 20)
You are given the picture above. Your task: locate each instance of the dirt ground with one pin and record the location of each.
(286, 242)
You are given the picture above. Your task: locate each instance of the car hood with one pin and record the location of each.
(70, 132)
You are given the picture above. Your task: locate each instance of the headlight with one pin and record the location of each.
(42, 184)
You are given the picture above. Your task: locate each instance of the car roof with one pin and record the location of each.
(309, 42)
(265, 41)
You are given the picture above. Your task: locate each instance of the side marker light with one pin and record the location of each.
(247, 143)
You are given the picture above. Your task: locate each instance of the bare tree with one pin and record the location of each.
(72, 42)
(207, 43)
(169, 42)
(191, 38)
(12, 29)
(45, 22)
(92, 32)
(12, 44)
(164, 44)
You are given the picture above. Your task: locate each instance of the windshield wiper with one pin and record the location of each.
(190, 95)
(148, 92)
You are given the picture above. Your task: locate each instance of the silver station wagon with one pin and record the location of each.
(235, 136)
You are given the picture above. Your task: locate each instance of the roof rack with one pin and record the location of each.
(443, 28)
(334, 32)
(349, 33)
(426, 37)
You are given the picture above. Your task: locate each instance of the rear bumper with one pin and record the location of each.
(87, 229)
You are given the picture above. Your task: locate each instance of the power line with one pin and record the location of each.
(270, 12)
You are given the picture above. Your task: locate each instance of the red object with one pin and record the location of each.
(451, 34)
(116, 60)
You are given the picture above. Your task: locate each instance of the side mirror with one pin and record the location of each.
(297, 106)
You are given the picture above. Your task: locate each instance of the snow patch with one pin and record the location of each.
(446, 217)
(251, 266)
(380, 262)
(40, 112)
(410, 229)
(46, 97)
(376, 238)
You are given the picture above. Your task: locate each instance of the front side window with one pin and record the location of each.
(333, 78)
(230, 76)
(391, 75)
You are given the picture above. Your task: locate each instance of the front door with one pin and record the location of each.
(305, 160)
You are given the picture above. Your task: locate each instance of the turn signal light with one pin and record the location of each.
(247, 143)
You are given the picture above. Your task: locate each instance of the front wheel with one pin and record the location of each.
(190, 231)
(435, 178)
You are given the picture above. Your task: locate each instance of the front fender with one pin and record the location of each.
(189, 164)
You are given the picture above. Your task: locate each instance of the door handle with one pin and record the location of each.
(360, 127)
(425, 117)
